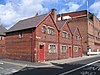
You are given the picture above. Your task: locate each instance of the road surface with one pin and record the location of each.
(89, 66)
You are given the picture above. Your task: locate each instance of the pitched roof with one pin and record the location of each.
(27, 23)
(73, 29)
(60, 24)
(2, 30)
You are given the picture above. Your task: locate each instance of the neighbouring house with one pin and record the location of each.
(33, 39)
(2, 41)
(69, 41)
(89, 26)
(76, 42)
(64, 39)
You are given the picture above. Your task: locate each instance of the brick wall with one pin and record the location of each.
(82, 25)
(18, 48)
(2, 46)
(64, 41)
(46, 39)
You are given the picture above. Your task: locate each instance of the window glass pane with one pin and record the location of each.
(68, 35)
(63, 48)
(76, 48)
(44, 29)
(64, 34)
(52, 49)
(50, 31)
(20, 35)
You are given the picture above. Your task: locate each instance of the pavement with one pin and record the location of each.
(44, 64)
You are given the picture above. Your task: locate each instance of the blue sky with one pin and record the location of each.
(11, 11)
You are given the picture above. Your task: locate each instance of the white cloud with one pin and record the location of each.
(15, 10)
(94, 8)
(62, 11)
(72, 5)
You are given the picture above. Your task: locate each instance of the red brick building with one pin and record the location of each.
(42, 38)
(70, 40)
(76, 42)
(33, 39)
(2, 41)
(64, 39)
(89, 26)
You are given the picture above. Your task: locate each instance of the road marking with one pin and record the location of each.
(79, 68)
(57, 67)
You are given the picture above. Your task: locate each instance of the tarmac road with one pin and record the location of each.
(84, 67)
(89, 66)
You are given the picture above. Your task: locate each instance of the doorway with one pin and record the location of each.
(41, 53)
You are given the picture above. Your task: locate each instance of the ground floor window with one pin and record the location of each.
(52, 48)
(75, 48)
(63, 48)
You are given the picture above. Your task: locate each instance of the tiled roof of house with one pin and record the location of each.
(73, 29)
(60, 24)
(2, 30)
(27, 23)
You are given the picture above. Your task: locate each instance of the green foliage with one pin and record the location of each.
(91, 16)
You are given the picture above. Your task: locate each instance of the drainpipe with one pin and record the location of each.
(81, 47)
(58, 44)
(32, 47)
(72, 46)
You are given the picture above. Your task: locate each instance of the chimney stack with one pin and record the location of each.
(54, 14)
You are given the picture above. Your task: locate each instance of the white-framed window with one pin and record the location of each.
(44, 29)
(64, 34)
(63, 48)
(75, 48)
(50, 31)
(68, 35)
(52, 48)
(77, 37)
(20, 35)
(1, 38)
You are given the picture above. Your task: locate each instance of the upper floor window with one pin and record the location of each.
(52, 48)
(63, 49)
(50, 31)
(98, 33)
(20, 35)
(44, 29)
(64, 34)
(77, 37)
(1, 38)
(68, 34)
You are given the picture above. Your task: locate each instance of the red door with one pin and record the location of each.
(80, 52)
(69, 52)
(41, 54)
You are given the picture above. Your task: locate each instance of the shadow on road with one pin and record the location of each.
(54, 70)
